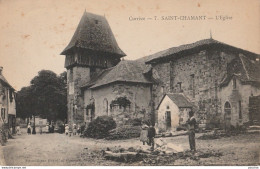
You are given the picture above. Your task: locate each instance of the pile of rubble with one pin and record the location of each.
(162, 155)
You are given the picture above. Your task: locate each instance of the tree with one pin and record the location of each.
(46, 97)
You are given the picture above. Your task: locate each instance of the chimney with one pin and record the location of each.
(1, 69)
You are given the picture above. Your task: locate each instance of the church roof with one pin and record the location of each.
(188, 47)
(94, 33)
(245, 69)
(124, 71)
(179, 99)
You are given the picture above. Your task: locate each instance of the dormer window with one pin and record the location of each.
(96, 21)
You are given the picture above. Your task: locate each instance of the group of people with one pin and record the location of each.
(72, 130)
(48, 129)
(148, 133)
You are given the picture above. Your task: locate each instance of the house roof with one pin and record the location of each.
(2, 79)
(183, 48)
(94, 33)
(245, 69)
(124, 71)
(179, 99)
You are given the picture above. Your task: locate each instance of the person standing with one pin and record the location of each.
(151, 135)
(47, 128)
(18, 130)
(191, 130)
(29, 129)
(74, 129)
(67, 129)
(40, 128)
(144, 133)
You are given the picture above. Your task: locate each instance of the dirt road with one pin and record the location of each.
(58, 149)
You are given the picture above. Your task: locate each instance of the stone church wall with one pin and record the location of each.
(197, 76)
(138, 94)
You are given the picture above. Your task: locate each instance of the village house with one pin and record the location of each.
(217, 81)
(7, 103)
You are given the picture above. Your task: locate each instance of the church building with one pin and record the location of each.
(211, 78)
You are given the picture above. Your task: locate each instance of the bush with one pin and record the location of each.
(124, 132)
(3, 134)
(100, 127)
(134, 122)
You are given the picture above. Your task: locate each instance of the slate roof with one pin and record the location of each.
(176, 50)
(124, 71)
(179, 99)
(246, 70)
(2, 79)
(94, 33)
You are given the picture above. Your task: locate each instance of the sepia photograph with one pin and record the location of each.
(129, 83)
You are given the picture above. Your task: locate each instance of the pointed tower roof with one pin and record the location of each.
(94, 33)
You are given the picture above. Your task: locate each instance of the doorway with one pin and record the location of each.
(168, 120)
(227, 116)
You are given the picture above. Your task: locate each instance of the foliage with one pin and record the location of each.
(124, 132)
(100, 127)
(121, 101)
(214, 121)
(3, 134)
(135, 122)
(46, 97)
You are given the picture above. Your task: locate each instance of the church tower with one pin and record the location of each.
(92, 48)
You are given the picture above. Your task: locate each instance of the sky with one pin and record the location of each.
(34, 32)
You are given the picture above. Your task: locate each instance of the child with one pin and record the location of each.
(70, 130)
(78, 130)
(18, 130)
(67, 129)
(144, 133)
(74, 129)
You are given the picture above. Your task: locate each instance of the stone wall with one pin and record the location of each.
(233, 96)
(138, 94)
(76, 77)
(199, 75)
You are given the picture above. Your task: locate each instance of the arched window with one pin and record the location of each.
(105, 106)
(227, 105)
(227, 108)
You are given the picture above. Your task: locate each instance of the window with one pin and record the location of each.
(105, 106)
(227, 109)
(162, 89)
(96, 21)
(3, 113)
(234, 83)
(192, 84)
(239, 109)
(179, 84)
(168, 107)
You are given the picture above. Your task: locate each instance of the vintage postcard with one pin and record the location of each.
(129, 83)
